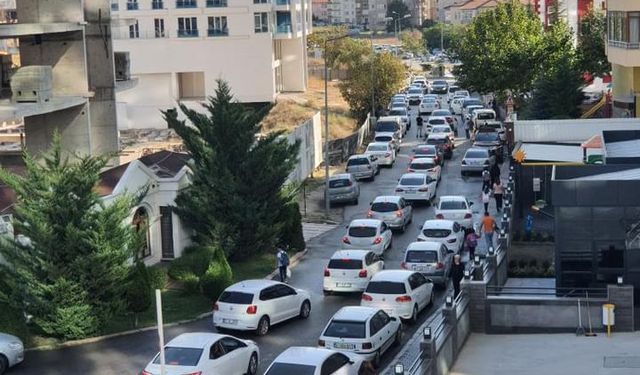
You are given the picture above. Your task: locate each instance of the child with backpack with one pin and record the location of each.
(471, 242)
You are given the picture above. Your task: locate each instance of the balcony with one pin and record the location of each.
(623, 53)
(132, 5)
(283, 29)
(625, 45)
(283, 2)
(216, 3)
(157, 5)
(186, 4)
(217, 32)
(187, 33)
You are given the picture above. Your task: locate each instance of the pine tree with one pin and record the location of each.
(74, 243)
(234, 200)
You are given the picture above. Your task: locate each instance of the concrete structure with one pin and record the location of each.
(70, 37)
(465, 12)
(342, 12)
(177, 49)
(623, 51)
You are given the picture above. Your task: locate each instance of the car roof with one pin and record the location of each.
(485, 110)
(198, 340)
(365, 223)
(441, 126)
(304, 355)
(477, 149)
(378, 144)
(437, 136)
(388, 118)
(251, 286)
(444, 118)
(425, 146)
(438, 224)
(399, 108)
(358, 156)
(423, 160)
(453, 198)
(387, 198)
(340, 176)
(441, 110)
(355, 313)
(424, 245)
(384, 134)
(392, 275)
(413, 174)
(350, 254)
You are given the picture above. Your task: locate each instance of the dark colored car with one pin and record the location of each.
(491, 141)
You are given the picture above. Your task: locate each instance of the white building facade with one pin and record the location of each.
(177, 49)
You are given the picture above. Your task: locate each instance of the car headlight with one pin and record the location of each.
(15, 345)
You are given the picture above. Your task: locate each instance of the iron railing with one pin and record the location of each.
(505, 291)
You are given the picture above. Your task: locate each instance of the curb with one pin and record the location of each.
(292, 262)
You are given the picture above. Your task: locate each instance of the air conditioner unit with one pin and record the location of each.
(32, 84)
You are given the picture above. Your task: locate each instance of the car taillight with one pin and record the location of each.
(403, 299)
(366, 297)
(326, 272)
(321, 342)
(410, 170)
(377, 240)
(399, 213)
(370, 213)
(215, 307)
(467, 216)
(451, 240)
(362, 273)
(439, 265)
(403, 265)
(367, 345)
(439, 216)
(345, 239)
(399, 190)
(145, 373)
(252, 309)
(423, 189)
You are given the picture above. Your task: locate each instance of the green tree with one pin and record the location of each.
(397, 9)
(234, 200)
(340, 50)
(412, 41)
(70, 269)
(383, 80)
(591, 51)
(499, 49)
(441, 32)
(138, 291)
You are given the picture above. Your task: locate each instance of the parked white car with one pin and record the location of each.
(447, 232)
(207, 354)
(367, 331)
(456, 208)
(350, 270)
(432, 259)
(11, 351)
(416, 187)
(259, 304)
(399, 292)
(383, 151)
(368, 234)
(299, 360)
(425, 165)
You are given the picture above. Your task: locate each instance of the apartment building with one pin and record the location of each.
(465, 12)
(175, 50)
(9, 53)
(342, 12)
(319, 10)
(623, 51)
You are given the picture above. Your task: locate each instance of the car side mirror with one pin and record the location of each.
(470, 203)
(346, 226)
(393, 318)
(430, 281)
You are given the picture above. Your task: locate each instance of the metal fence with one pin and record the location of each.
(341, 149)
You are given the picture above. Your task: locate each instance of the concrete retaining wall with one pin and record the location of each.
(310, 155)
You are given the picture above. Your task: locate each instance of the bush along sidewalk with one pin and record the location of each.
(523, 268)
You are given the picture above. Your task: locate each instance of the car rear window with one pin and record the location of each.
(487, 137)
(377, 148)
(239, 298)
(415, 91)
(421, 256)
(398, 112)
(476, 154)
(467, 103)
(412, 181)
(175, 356)
(386, 126)
(362, 231)
(345, 329)
(453, 205)
(345, 264)
(339, 183)
(425, 151)
(436, 141)
(383, 138)
(485, 116)
(440, 130)
(422, 166)
(358, 161)
(279, 368)
(436, 233)
(384, 207)
(386, 287)
(441, 112)
(437, 121)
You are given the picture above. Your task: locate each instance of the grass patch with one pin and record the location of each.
(257, 267)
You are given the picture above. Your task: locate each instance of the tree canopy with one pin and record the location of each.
(412, 41)
(397, 9)
(591, 51)
(447, 32)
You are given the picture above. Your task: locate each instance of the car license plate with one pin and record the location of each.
(344, 345)
(343, 285)
(411, 191)
(417, 268)
(229, 321)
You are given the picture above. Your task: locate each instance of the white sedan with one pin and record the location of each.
(416, 187)
(425, 165)
(383, 151)
(447, 232)
(350, 270)
(368, 234)
(456, 208)
(299, 360)
(444, 129)
(206, 354)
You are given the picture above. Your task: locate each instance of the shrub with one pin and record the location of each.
(522, 263)
(190, 283)
(291, 236)
(512, 264)
(158, 278)
(70, 316)
(12, 322)
(533, 263)
(195, 260)
(216, 279)
(138, 292)
(546, 264)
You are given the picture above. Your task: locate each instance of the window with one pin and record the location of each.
(158, 24)
(176, 356)
(261, 22)
(375, 325)
(362, 231)
(261, 1)
(157, 4)
(230, 344)
(187, 26)
(345, 264)
(217, 26)
(421, 256)
(191, 85)
(284, 291)
(634, 27)
(216, 351)
(334, 363)
(114, 6)
(237, 298)
(345, 329)
(386, 287)
(279, 368)
(216, 3)
(134, 31)
(132, 5)
(186, 4)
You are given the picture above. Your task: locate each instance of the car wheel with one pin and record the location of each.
(253, 364)
(305, 309)
(4, 364)
(414, 315)
(263, 326)
(355, 202)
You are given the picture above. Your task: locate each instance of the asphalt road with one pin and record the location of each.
(129, 354)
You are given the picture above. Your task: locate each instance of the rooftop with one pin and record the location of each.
(11, 111)
(543, 152)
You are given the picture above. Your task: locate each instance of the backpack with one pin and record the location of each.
(472, 240)
(285, 258)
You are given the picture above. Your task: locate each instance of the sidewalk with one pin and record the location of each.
(313, 230)
(550, 354)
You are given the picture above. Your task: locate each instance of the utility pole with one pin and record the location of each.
(441, 37)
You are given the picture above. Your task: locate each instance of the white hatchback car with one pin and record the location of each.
(367, 331)
(444, 129)
(368, 234)
(383, 151)
(456, 208)
(299, 360)
(259, 304)
(350, 270)
(428, 105)
(425, 165)
(416, 187)
(399, 292)
(447, 232)
(207, 354)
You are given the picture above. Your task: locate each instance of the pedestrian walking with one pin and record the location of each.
(468, 127)
(282, 263)
(488, 227)
(471, 242)
(498, 191)
(494, 173)
(419, 123)
(486, 178)
(457, 273)
(486, 197)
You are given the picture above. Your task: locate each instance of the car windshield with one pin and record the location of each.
(362, 231)
(490, 125)
(421, 256)
(441, 112)
(467, 103)
(485, 116)
(429, 100)
(453, 89)
(437, 121)
(421, 165)
(345, 329)
(462, 93)
(436, 141)
(436, 233)
(398, 112)
(415, 90)
(345, 264)
(377, 148)
(425, 151)
(357, 161)
(384, 207)
(279, 368)
(487, 137)
(476, 154)
(453, 205)
(383, 138)
(440, 130)
(412, 181)
(385, 287)
(386, 126)
(339, 183)
(175, 356)
(236, 298)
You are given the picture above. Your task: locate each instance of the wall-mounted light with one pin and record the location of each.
(512, 168)
(426, 333)
(510, 178)
(476, 260)
(505, 217)
(398, 369)
(491, 250)
(620, 280)
(448, 301)
(467, 274)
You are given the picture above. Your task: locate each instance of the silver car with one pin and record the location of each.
(343, 188)
(388, 138)
(393, 210)
(11, 351)
(432, 259)
(363, 166)
(475, 160)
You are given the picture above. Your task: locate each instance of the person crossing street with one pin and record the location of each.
(419, 124)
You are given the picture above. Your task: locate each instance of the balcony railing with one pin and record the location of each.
(283, 2)
(216, 3)
(283, 29)
(114, 7)
(157, 5)
(217, 32)
(132, 5)
(186, 4)
(187, 33)
(625, 45)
